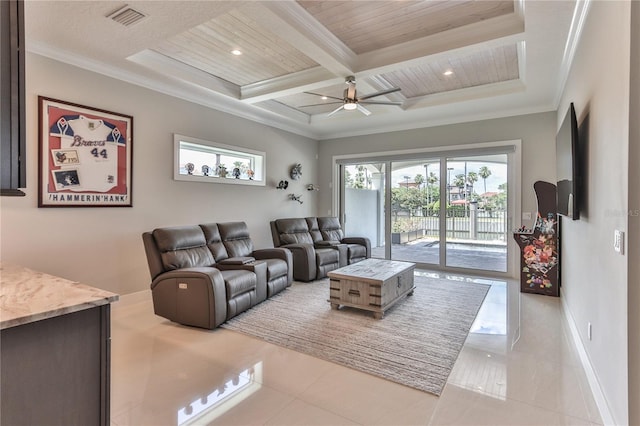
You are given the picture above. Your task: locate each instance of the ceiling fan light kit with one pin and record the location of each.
(350, 101)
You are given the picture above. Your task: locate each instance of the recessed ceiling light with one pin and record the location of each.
(236, 52)
(447, 72)
(324, 98)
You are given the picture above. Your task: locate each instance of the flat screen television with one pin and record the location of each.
(568, 166)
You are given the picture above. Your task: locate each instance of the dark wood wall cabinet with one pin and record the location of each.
(12, 110)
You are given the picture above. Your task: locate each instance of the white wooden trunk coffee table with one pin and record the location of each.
(373, 285)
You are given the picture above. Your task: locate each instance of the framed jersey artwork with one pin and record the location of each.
(85, 156)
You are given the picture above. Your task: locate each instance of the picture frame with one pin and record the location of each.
(85, 156)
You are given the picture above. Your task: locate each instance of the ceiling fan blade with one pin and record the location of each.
(380, 103)
(383, 92)
(363, 110)
(324, 96)
(335, 110)
(322, 104)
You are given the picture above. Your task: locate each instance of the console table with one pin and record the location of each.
(55, 352)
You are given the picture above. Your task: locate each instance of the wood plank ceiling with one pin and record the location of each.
(273, 37)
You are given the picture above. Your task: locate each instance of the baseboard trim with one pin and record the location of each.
(131, 298)
(598, 395)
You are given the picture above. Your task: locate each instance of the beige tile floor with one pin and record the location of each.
(517, 367)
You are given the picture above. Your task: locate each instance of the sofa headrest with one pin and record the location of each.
(291, 226)
(214, 241)
(236, 239)
(330, 229)
(312, 222)
(293, 231)
(182, 247)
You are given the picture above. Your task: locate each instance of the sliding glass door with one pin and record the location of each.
(476, 214)
(363, 203)
(439, 210)
(415, 212)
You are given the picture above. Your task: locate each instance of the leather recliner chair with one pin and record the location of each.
(186, 287)
(310, 262)
(358, 248)
(195, 281)
(315, 242)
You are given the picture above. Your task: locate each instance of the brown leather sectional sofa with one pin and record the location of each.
(318, 245)
(203, 275)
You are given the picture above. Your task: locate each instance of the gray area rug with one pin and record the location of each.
(415, 344)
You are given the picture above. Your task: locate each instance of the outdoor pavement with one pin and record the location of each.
(488, 257)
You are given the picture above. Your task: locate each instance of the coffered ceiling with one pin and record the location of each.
(454, 60)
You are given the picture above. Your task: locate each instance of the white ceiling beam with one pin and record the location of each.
(294, 24)
(181, 71)
(466, 94)
(285, 110)
(290, 84)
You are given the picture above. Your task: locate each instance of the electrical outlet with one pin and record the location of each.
(618, 241)
(589, 331)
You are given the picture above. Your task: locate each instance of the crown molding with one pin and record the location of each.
(580, 13)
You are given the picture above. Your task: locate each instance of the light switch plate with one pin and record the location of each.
(526, 216)
(618, 241)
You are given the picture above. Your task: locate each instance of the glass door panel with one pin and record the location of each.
(476, 212)
(415, 214)
(363, 191)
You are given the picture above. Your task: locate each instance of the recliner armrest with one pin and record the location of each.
(277, 253)
(191, 296)
(363, 241)
(304, 261)
(323, 244)
(272, 253)
(239, 260)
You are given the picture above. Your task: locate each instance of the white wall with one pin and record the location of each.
(594, 277)
(103, 246)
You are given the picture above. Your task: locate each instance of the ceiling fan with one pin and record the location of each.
(351, 101)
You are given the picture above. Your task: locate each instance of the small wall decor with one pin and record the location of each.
(205, 170)
(296, 171)
(283, 184)
(294, 197)
(85, 156)
(312, 187)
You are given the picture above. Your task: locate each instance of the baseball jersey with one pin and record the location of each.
(97, 143)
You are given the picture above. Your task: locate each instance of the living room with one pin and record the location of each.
(102, 246)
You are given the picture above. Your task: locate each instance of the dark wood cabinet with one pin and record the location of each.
(12, 108)
(56, 371)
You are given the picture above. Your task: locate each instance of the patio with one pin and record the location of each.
(461, 254)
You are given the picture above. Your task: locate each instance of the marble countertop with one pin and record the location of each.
(28, 296)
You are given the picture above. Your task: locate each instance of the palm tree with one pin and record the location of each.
(460, 182)
(472, 177)
(419, 180)
(484, 173)
(431, 180)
